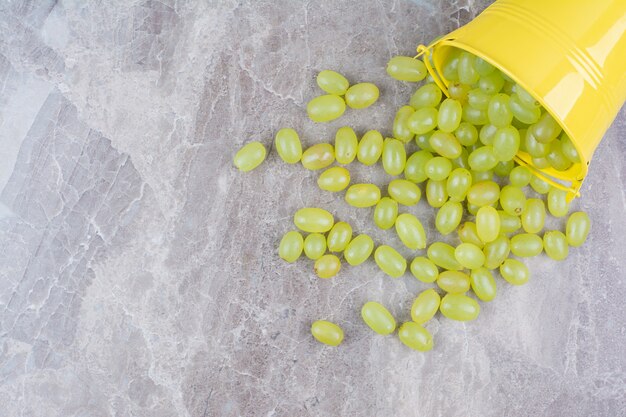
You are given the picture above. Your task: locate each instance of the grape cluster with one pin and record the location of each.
(467, 144)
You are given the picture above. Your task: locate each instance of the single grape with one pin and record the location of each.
(410, 231)
(249, 156)
(458, 184)
(482, 159)
(339, 237)
(556, 157)
(555, 245)
(568, 148)
(487, 224)
(358, 250)
(512, 200)
(428, 95)
(469, 256)
(533, 215)
(514, 272)
(405, 68)
(334, 179)
(327, 266)
(483, 284)
(436, 193)
(539, 185)
(394, 156)
(423, 120)
(546, 129)
(467, 73)
(483, 193)
(466, 134)
(483, 67)
(414, 168)
(504, 168)
(492, 83)
(459, 92)
(442, 255)
(451, 66)
(577, 229)
(459, 307)
(288, 145)
(533, 147)
(541, 163)
(346, 145)
(525, 97)
(313, 220)
(468, 234)
(326, 108)
(520, 176)
(558, 205)
(363, 195)
(424, 269)
(475, 116)
(506, 143)
(449, 217)
(327, 333)
(478, 99)
(461, 161)
(509, 223)
(332, 82)
(404, 192)
(400, 128)
(385, 213)
(361, 95)
(378, 318)
(499, 111)
(318, 156)
(370, 147)
(525, 114)
(438, 168)
(291, 246)
(422, 141)
(497, 251)
(526, 245)
(478, 176)
(415, 336)
(445, 144)
(425, 306)
(487, 134)
(453, 282)
(449, 116)
(314, 246)
(390, 261)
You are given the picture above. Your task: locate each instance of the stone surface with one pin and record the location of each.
(138, 269)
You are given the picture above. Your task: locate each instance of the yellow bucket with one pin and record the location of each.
(569, 54)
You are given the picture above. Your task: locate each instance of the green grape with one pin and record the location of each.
(442, 255)
(533, 147)
(326, 108)
(334, 179)
(466, 134)
(406, 68)
(509, 85)
(539, 185)
(483, 67)
(509, 223)
(487, 134)
(492, 83)
(327, 333)
(541, 163)
(478, 99)
(483, 193)
(394, 156)
(458, 184)
(318, 156)
(487, 224)
(557, 158)
(249, 156)
(461, 161)
(385, 213)
(436, 193)
(577, 229)
(475, 116)
(506, 143)
(546, 129)
(423, 120)
(410, 231)
(467, 73)
(422, 141)
(438, 168)
(504, 168)
(522, 143)
(288, 145)
(497, 251)
(482, 159)
(448, 217)
(358, 250)
(468, 234)
(414, 168)
(378, 318)
(499, 111)
(526, 245)
(459, 307)
(512, 200)
(449, 116)
(424, 269)
(483, 284)
(568, 149)
(445, 144)
(525, 98)
(453, 282)
(428, 95)
(339, 237)
(361, 95)
(520, 176)
(450, 67)
(415, 336)
(363, 195)
(314, 246)
(390, 261)
(522, 112)
(514, 272)
(459, 91)
(332, 82)
(478, 176)
(533, 215)
(346, 145)
(370, 148)
(291, 246)
(555, 245)
(327, 266)
(313, 220)
(558, 205)
(469, 256)
(400, 129)
(425, 306)
(404, 192)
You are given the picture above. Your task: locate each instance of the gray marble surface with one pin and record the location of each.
(138, 268)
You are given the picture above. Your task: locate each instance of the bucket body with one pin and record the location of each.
(569, 54)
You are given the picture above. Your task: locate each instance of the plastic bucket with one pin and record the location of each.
(569, 54)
